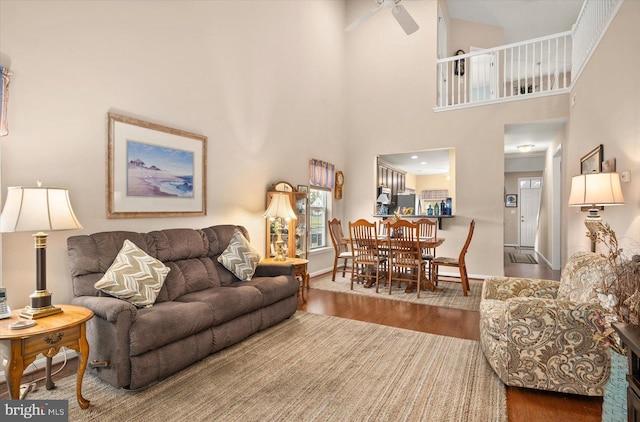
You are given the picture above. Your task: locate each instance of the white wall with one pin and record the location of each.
(262, 80)
(607, 111)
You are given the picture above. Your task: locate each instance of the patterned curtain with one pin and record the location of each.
(4, 99)
(321, 174)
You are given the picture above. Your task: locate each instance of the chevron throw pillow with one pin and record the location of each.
(240, 257)
(134, 276)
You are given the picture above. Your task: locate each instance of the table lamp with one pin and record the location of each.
(38, 209)
(280, 209)
(383, 200)
(595, 190)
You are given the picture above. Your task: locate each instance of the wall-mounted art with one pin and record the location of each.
(511, 200)
(592, 161)
(154, 170)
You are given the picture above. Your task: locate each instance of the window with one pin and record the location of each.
(319, 208)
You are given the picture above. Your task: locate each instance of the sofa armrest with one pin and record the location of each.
(107, 308)
(503, 288)
(273, 269)
(545, 344)
(108, 337)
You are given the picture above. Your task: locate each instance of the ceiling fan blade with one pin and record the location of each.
(363, 18)
(404, 19)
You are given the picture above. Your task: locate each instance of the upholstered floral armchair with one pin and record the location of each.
(543, 334)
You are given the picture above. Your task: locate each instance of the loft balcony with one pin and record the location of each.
(539, 67)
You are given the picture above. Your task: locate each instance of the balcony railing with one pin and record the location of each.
(542, 66)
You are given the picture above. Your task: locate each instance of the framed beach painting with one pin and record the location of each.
(154, 170)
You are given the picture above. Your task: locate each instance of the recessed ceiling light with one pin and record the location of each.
(525, 148)
(413, 157)
(423, 163)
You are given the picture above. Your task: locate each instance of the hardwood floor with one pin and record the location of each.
(522, 404)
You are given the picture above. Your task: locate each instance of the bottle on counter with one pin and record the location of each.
(436, 209)
(430, 210)
(442, 208)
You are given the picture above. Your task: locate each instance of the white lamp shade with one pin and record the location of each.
(383, 199)
(280, 207)
(37, 209)
(596, 189)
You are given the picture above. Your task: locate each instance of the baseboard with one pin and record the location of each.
(41, 363)
(544, 259)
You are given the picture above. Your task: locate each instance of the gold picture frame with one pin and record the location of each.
(592, 161)
(154, 170)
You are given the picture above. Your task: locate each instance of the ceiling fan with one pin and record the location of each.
(397, 10)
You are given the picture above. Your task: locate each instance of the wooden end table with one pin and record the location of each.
(20, 347)
(300, 269)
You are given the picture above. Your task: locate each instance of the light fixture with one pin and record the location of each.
(595, 190)
(37, 209)
(525, 148)
(280, 209)
(383, 200)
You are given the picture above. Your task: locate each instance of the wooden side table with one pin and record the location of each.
(300, 269)
(20, 347)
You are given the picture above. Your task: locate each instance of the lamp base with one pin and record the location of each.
(40, 306)
(593, 222)
(35, 313)
(280, 251)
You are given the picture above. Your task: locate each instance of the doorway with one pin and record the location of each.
(483, 76)
(529, 193)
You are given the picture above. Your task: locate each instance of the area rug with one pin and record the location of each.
(312, 368)
(522, 258)
(451, 295)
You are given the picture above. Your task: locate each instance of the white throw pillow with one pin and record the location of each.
(240, 257)
(134, 276)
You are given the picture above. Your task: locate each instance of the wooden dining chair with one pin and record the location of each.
(383, 227)
(456, 262)
(428, 228)
(368, 261)
(405, 254)
(341, 246)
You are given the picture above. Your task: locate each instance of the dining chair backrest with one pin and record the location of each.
(463, 252)
(404, 242)
(428, 227)
(340, 243)
(383, 226)
(364, 241)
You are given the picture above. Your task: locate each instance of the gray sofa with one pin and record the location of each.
(201, 308)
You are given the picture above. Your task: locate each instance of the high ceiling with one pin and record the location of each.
(521, 19)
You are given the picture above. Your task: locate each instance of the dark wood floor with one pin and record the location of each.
(523, 404)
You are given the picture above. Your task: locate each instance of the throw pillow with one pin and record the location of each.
(134, 276)
(240, 257)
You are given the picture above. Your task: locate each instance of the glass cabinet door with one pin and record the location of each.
(294, 232)
(302, 211)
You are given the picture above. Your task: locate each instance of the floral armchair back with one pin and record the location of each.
(582, 278)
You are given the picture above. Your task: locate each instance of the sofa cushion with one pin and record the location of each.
(276, 288)
(227, 303)
(584, 275)
(167, 322)
(240, 257)
(134, 276)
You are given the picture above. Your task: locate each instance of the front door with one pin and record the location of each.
(530, 189)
